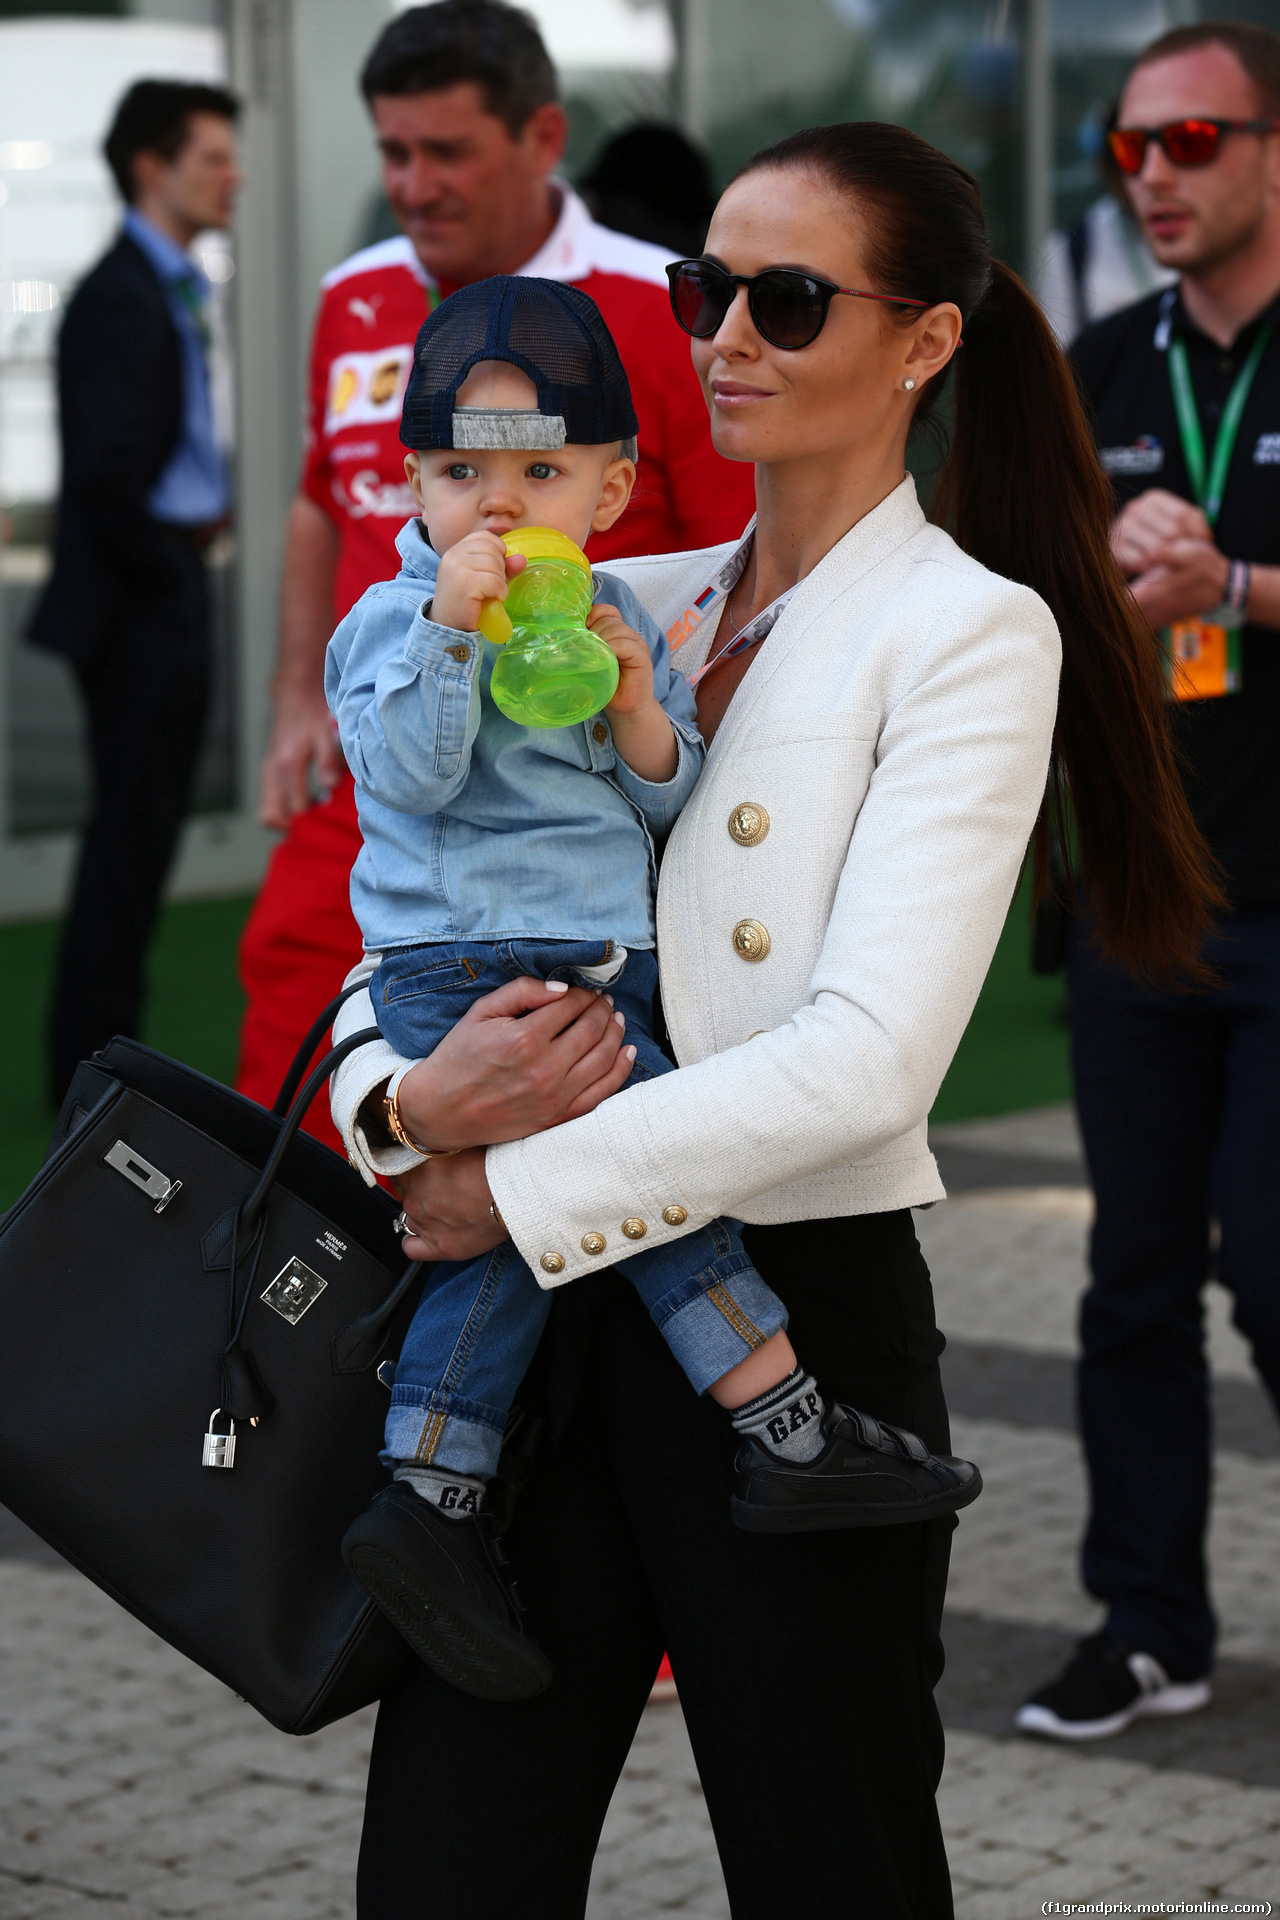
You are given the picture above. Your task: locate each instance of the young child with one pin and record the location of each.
(493, 850)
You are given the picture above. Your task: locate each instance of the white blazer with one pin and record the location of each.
(892, 736)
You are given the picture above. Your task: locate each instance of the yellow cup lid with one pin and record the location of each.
(544, 543)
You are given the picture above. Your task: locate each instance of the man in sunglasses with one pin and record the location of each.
(1179, 1094)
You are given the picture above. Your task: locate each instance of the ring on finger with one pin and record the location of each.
(402, 1223)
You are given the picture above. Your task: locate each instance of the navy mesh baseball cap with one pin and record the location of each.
(552, 332)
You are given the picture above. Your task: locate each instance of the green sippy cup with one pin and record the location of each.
(552, 670)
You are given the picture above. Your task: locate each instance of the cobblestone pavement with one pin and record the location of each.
(132, 1784)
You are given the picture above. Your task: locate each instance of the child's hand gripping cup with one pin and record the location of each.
(552, 670)
(503, 369)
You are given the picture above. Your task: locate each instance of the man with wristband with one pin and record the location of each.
(1179, 1094)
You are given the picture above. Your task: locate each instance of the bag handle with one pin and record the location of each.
(246, 1395)
(251, 1211)
(358, 1344)
(319, 1027)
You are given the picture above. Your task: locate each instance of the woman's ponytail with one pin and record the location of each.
(1022, 491)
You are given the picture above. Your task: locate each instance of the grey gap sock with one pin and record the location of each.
(787, 1419)
(459, 1495)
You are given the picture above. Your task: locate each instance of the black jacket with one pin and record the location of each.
(120, 408)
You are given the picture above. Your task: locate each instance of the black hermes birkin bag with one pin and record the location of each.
(194, 1297)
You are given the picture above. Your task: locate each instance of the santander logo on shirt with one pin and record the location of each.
(366, 493)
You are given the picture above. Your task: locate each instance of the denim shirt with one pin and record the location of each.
(476, 828)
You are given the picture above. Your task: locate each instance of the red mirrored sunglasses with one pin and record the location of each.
(1188, 143)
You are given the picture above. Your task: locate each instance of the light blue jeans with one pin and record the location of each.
(479, 1321)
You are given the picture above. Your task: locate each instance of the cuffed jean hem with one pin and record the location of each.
(442, 1430)
(713, 1319)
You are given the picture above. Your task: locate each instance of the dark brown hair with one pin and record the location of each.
(497, 46)
(1022, 491)
(1256, 48)
(155, 117)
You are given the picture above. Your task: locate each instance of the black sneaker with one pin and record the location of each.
(1105, 1686)
(447, 1586)
(867, 1475)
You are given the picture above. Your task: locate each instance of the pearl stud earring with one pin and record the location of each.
(909, 385)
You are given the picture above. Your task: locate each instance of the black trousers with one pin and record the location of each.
(1179, 1102)
(806, 1665)
(146, 696)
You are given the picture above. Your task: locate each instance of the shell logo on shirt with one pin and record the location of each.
(366, 387)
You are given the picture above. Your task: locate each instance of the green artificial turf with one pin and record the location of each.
(1014, 1053)
(193, 1013)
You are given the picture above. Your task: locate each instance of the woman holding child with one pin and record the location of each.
(876, 701)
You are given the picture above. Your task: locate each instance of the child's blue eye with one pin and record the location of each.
(460, 473)
(540, 470)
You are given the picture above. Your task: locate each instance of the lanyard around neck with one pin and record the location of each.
(739, 644)
(751, 635)
(1208, 490)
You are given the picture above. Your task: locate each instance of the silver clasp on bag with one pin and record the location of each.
(295, 1288)
(156, 1185)
(219, 1448)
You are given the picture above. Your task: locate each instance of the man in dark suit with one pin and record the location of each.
(145, 487)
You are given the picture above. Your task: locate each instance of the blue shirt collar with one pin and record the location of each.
(419, 558)
(166, 256)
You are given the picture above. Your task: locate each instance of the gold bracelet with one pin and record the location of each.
(400, 1133)
(395, 1125)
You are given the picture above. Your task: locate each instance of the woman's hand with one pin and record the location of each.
(528, 1057)
(448, 1202)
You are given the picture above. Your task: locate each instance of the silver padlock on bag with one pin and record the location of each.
(219, 1448)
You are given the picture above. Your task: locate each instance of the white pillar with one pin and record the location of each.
(692, 24)
(1037, 107)
(310, 172)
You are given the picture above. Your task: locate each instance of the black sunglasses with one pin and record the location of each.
(787, 308)
(1188, 143)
